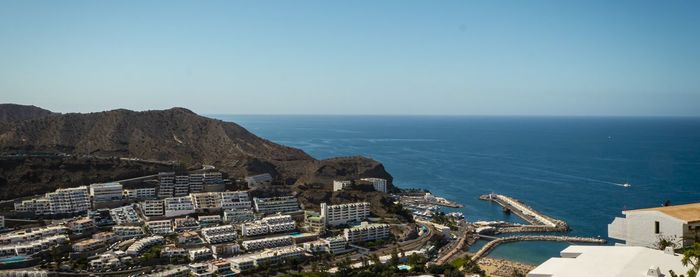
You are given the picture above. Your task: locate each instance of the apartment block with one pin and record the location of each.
(281, 204)
(159, 227)
(182, 185)
(366, 232)
(271, 242)
(379, 184)
(233, 200)
(166, 184)
(61, 201)
(238, 216)
(226, 249)
(87, 245)
(143, 244)
(140, 193)
(259, 180)
(153, 208)
(81, 225)
(199, 253)
(268, 257)
(106, 192)
(172, 251)
(209, 220)
(177, 206)
(219, 234)
(185, 224)
(335, 245)
(28, 235)
(125, 215)
(335, 215)
(206, 200)
(33, 247)
(128, 232)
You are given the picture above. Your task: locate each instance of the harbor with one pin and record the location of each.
(538, 221)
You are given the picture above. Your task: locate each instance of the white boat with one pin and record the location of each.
(627, 185)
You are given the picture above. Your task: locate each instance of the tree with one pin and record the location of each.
(394, 257)
(691, 258)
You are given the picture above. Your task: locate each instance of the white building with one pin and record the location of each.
(199, 253)
(268, 257)
(335, 215)
(238, 216)
(28, 235)
(177, 206)
(106, 192)
(257, 244)
(128, 232)
(206, 200)
(219, 234)
(225, 249)
(366, 232)
(208, 220)
(232, 200)
(281, 204)
(379, 184)
(61, 201)
(610, 261)
(153, 208)
(185, 224)
(335, 245)
(251, 229)
(340, 185)
(644, 227)
(172, 251)
(124, 215)
(159, 227)
(182, 185)
(257, 180)
(139, 246)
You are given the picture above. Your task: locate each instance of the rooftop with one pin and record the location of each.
(688, 212)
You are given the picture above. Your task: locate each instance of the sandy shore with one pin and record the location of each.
(499, 267)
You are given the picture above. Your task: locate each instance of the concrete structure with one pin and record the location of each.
(679, 224)
(81, 225)
(209, 220)
(238, 216)
(199, 253)
(258, 180)
(182, 185)
(106, 192)
(153, 208)
(128, 232)
(335, 215)
(257, 244)
(335, 245)
(268, 257)
(177, 206)
(188, 237)
(379, 184)
(140, 193)
(159, 227)
(172, 251)
(141, 245)
(28, 235)
(340, 185)
(219, 234)
(61, 201)
(125, 215)
(206, 200)
(87, 245)
(610, 261)
(225, 249)
(281, 204)
(314, 222)
(268, 225)
(366, 232)
(232, 200)
(185, 224)
(166, 184)
(32, 247)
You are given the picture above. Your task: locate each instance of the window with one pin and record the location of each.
(656, 227)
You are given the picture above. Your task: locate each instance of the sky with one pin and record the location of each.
(619, 58)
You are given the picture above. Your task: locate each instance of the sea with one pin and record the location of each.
(570, 168)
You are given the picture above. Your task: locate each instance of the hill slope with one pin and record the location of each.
(179, 135)
(15, 112)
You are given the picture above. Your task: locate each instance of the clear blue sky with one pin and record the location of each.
(354, 57)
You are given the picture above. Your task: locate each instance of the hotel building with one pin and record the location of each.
(128, 232)
(233, 200)
(335, 215)
(366, 232)
(143, 244)
(257, 244)
(281, 204)
(268, 257)
(238, 216)
(199, 253)
(219, 234)
(379, 184)
(125, 215)
(340, 185)
(206, 200)
(61, 201)
(159, 227)
(140, 193)
(177, 206)
(153, 208)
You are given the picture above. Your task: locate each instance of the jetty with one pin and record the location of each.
(539, 221)
(498, 241)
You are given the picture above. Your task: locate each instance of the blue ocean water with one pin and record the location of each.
(571, 168)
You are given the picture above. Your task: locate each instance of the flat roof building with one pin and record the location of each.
(644, 227)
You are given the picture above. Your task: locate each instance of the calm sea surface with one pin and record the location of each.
(567, 167)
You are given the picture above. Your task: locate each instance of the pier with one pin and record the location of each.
(498, 241)
(539, 222)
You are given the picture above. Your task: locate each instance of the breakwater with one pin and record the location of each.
(539, 221)
(492, 244)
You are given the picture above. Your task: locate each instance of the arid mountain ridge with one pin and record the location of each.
(176, 134)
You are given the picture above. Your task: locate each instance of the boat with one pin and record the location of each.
(506, 210)
(626, 185)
